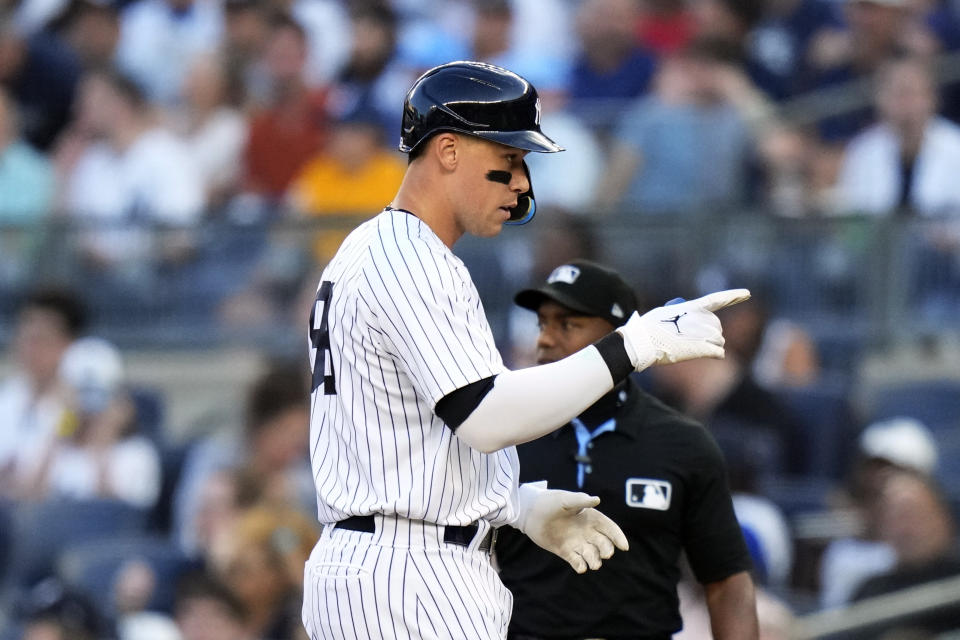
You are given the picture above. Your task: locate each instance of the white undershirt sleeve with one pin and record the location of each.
(528, 403)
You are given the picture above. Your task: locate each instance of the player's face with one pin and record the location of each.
(491, 178)
(564, 332)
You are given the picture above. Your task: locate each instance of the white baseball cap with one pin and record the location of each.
(904, 441)
(93, 368)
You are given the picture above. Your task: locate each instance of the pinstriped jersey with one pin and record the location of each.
(397, 325)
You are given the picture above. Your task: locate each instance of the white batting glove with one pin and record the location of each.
(678, 332)
(566, 524)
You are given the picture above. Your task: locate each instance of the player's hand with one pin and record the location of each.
(566, 524)
(678, 332)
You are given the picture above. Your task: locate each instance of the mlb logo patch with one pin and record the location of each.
(647, 493)
(566, 273)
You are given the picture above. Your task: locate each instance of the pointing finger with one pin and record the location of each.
(720, 299)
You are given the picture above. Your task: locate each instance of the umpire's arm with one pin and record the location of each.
(733, 608)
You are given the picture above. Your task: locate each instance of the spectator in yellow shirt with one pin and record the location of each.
(353, 176)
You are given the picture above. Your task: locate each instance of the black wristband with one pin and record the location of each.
(614, 353)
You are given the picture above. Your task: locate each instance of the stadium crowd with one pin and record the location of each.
(198, 161)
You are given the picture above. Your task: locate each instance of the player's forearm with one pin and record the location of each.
(526, 404)
(733, 608)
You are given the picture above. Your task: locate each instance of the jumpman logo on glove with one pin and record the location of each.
(676, 321)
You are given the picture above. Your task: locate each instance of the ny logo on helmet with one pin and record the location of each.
(536, 118)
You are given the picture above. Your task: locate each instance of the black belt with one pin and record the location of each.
(524, 636)
(452, 534)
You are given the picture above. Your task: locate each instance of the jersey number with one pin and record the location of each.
(320, 339)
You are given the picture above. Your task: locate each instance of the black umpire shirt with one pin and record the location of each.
(662, 478)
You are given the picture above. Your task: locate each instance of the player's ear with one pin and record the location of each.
(447, 147)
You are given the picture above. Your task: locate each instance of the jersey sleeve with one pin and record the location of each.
(430, 313)
(713, 539)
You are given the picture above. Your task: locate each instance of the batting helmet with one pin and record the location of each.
(480, 100)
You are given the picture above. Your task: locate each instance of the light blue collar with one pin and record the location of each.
(584, 436)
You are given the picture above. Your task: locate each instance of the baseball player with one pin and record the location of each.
(414, 416)
(659, 475)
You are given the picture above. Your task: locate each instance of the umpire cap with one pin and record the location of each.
(478, 99)
(587, 288)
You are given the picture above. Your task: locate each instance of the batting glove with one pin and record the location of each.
(566, 524)
(678, 332)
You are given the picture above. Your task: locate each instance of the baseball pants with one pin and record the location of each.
(402, 581)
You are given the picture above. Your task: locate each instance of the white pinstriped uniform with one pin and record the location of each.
(398, 324)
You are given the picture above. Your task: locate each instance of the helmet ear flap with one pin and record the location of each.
(526, 206)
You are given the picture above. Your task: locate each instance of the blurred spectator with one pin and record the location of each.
(262, 563)
(291, 125)
(491, 31)
(26, 177)
(790, 156)
(30, 406)
(31, 16)
(206, 609)
(355, 175)
(916, 521)
(876, 31)
(222, 497)
(781, 352)
(494, 40)
(269, 451)
(883, 448)
(245, 32)
(611, 68)
(682, 150)
(545, 28)
(787, 356)
(50, 611)
(907, 161)
(328, 36)
(133, 172)
(567, 180)
(213, 126)
(96, 452)
(731, 23)
(160, 38)
(778, 44)
(92, 29)
(665, 26)
(768, 537)
(753, 427)
(41, 74)
(774, 617)
(373, 78)
(133, 588)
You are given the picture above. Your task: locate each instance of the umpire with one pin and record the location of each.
(659, 475)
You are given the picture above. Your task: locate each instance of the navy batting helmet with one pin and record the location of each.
(476, 98)
(480, 100)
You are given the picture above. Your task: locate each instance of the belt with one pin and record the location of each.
(452, 534)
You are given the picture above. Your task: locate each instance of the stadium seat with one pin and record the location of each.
(828, 430)
(6, 535)
(92, 567)
(42, 531)
(935, 403)
(149, 406)
(796, 494)
(750, 450)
